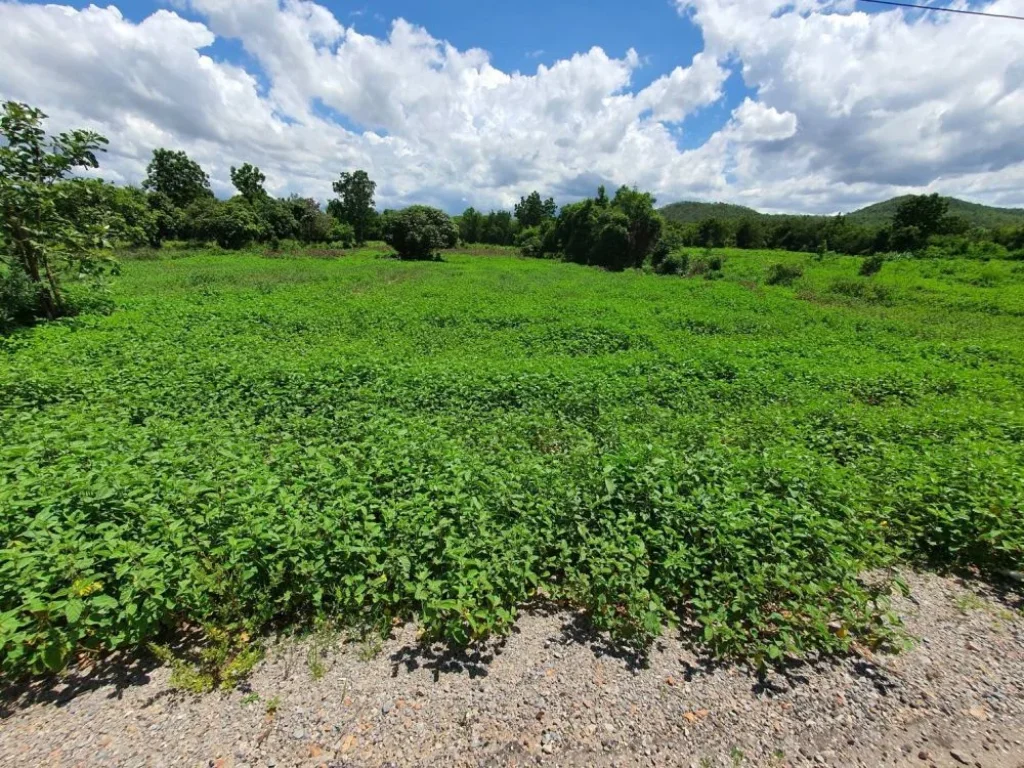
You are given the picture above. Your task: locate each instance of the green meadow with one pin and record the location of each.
(250, 444)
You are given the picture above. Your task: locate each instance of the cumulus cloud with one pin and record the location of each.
(884, 103)
(849, 107)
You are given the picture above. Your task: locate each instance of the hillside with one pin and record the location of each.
(975, 214)
(690, 212)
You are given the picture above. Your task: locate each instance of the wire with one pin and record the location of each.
(947, 10)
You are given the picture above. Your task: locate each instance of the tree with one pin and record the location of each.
(712, 233)
(916, 219)
(125, 211)
(531, 211)
(643, 224)
(232, 224)
(749, 234)
(177, 176)
(40, 241)
(471, 225)
(249, 180)
(355, 202)
(312, 224)
(498, 228)
(419, 231)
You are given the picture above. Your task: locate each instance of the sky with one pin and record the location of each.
(807, 106)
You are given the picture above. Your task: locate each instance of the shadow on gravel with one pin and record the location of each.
(117, 672)
(440, 660)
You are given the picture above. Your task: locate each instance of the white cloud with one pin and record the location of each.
(754, 121)
(887, 102)
(849, 107)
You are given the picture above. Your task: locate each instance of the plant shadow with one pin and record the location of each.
(116, 672)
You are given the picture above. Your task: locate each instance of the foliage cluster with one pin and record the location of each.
(615, 233)
(43, 235)
(253, 443)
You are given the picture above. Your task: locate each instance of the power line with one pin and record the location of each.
(947, 10)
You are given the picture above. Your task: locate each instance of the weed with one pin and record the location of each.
(783, 274)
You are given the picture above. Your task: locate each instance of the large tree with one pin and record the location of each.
(531, 211)
(178, 177)
(249, 180)
(355, 202)
(40, 239)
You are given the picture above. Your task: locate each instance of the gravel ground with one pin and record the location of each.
(554, 694)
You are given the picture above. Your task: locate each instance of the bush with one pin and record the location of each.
(419, 231)
(232, 225)
(675, 263)
(708, 266)
(865, 290)
(342, 234)
(19, 301)
(783, 274)
(872, 265)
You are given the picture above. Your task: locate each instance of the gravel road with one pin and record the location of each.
(554, 694)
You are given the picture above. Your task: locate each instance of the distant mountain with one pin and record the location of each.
(977, 215)
(691, 212)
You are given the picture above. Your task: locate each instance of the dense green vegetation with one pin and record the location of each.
(249, 443)
(692, 212)
(926, 225)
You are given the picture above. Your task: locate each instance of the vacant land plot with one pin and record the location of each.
(247, 443)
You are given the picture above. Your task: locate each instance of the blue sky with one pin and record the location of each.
(840, 104)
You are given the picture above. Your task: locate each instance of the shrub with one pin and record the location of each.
(19, 300)
(872, 265)
(783, 274)
(865, 290)
(232, 225)
(342, 234)
(419, 231)
(708, 266)
(675, 263)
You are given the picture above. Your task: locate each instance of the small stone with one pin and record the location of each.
(298, 734)
(924, 754)
(958, 757)
(388, 706)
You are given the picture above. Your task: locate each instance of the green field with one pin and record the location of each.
(252, 443)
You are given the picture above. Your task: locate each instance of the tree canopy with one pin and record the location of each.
(249, 180)
(41, 239)
(354, 205)
(176, 175)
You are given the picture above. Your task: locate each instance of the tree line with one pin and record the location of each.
(53, 223)
(920, 224)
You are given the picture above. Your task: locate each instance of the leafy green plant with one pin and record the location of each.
(254, 444)
(220, 661)
(783, 274)
(871, 265)
(39, 238)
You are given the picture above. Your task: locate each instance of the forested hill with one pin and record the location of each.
(975, 214)
(691, 212)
